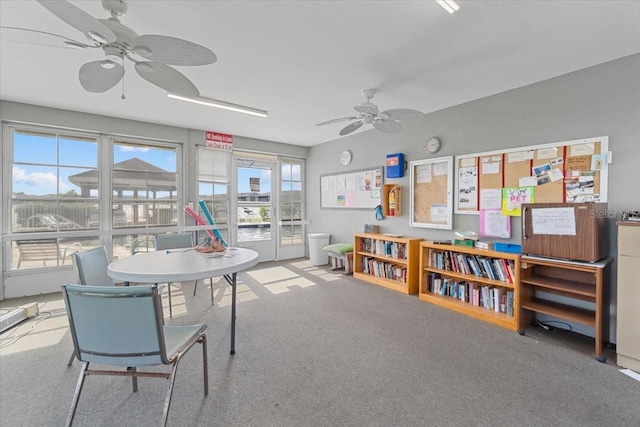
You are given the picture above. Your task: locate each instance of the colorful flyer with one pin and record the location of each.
(513, 198)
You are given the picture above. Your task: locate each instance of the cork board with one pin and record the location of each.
(431, 204)
(561, 172)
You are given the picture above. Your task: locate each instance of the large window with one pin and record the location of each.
(66, 191)
(49, 172)
(49, 200)
(291, 202)
(144, 185)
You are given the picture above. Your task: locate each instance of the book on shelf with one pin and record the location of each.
(481, 266)
(466, 235)
(463, 242)
(483, 245)
(384, 247)
(493, 298)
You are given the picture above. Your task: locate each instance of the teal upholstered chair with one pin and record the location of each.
(90, 267)
(123, 327)
(178, 241)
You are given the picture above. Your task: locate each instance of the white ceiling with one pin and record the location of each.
(308, 61)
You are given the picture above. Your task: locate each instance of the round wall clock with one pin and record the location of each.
(432, 145)
(345, 157)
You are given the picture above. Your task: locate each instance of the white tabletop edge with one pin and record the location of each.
(168, 266)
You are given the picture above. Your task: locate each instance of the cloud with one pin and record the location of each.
(41, 180)
(125, 148)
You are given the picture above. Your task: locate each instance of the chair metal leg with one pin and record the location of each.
(76, 394)
(211, 290)
(134, 378)
(195, 287)
(167, 401)
(73, 356)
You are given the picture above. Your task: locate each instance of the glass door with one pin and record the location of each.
(255, 207)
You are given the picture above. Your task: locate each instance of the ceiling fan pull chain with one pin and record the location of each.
(122, 97)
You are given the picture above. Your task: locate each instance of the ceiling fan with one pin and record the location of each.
(387, 121)
(152, 55)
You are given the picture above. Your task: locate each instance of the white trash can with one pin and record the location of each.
(317, 241)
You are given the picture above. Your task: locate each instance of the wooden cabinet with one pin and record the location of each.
(628, 299)
(387, 261)
(577, 281)
(476, 282)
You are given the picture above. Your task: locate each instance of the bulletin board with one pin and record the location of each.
(431, 203)
(359, 189)
(561, 172)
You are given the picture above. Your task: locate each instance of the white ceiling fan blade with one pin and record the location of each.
(95, 78)
(402, 113)
(167, 78)
(341, 119)
(173, 51)
(40, 38)
(387, 126)
(79, 19)
(351, 127)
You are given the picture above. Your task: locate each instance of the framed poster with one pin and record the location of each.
(431, 202)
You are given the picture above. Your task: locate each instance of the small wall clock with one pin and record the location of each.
(432, 145)
(345, 157)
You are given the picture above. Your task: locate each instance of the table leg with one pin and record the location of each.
(232, 281)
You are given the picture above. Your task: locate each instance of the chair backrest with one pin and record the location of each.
(174, 240)
(120, 325)
(91, 267)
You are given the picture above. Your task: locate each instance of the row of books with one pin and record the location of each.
(487, 267)
(493, 298)
(386, 270)
(384, 247)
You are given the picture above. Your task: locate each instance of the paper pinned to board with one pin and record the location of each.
(554, 221)
(494, 224)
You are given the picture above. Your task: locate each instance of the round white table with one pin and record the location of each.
(179, 265)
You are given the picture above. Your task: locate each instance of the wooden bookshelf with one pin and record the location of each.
(472, 270)
(377, 255)
(583, 281)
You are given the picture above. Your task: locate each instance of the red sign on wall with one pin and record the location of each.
(219, 141)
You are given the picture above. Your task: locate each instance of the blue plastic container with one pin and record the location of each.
(508, 247)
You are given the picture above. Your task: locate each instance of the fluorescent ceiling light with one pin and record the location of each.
(449, 5)
(220, 104)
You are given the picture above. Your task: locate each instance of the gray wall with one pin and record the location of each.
(599, 101)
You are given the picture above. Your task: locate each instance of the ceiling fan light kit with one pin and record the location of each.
(368, 113)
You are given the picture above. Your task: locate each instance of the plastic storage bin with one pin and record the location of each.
(317, 241)
(508, 247)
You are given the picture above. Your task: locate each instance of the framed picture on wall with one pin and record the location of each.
(431, 201)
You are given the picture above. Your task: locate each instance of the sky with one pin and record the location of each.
(35, 158)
